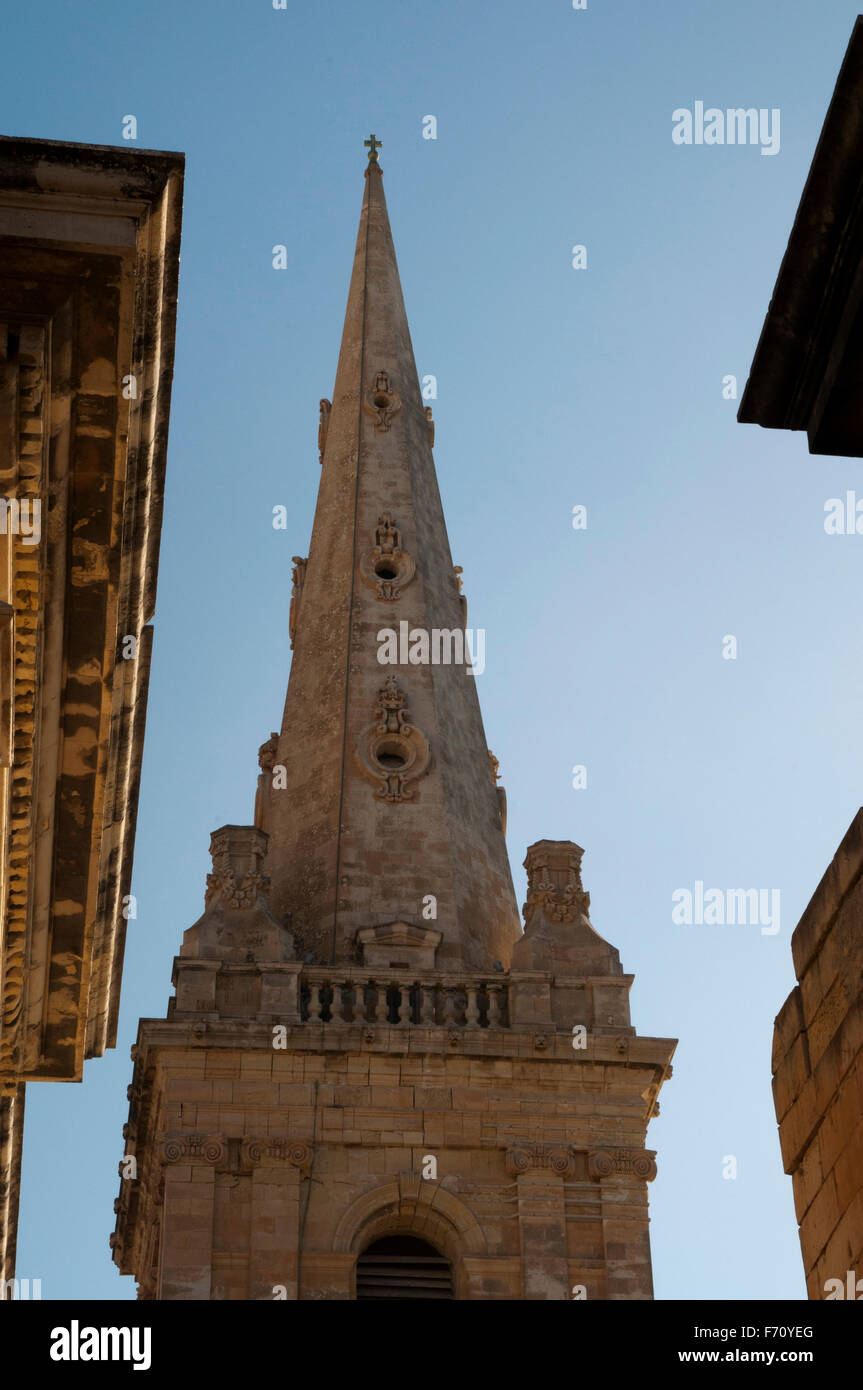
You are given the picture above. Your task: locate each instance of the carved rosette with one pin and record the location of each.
(623, 1163)
(392, 751)
(387, 567)
(559, 1158)
(382, 402)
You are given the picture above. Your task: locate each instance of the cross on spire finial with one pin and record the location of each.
(374, 145)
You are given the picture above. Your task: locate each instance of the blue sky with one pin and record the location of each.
(556, 387)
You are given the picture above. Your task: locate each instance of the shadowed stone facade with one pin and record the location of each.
(818, 1072)
(89, 258)
(363, 1044)
(806, 376)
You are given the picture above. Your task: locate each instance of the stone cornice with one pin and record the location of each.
(112, 257)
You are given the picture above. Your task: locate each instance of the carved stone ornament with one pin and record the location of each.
(323, 427)
(387, 568)
(555, 890)
(269, 1151)
(558, 1158)
(235, 1155)
(624, 1163)
(298, 576)
(392, 751)
(382, 402)
(236, 878)
(430, 424)
(267, 752)
(208, 1148)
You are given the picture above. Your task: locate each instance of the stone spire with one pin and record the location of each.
(377, 795)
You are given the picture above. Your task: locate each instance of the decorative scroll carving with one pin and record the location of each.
(558, 894)
(625, 1163)
(462, 599)
(269, 1150)
(233, 1154)
(298, 576)
(393, 751)
(559, 1158)
(323, 427)
(207, 1147)
(228, 846)
(388, 567)
(267, 752)
(382, 402)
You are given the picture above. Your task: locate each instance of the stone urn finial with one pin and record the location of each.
(237, 923)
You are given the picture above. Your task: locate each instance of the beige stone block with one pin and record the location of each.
(791, 1076)
(843, 1250)
(296, 1093)
(808, 1177)
(247, 1092)
(820, 1221)
(196, 1089)
(848, 1169)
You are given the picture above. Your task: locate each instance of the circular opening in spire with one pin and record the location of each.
(381, 400)
(390, 755)
(384, 570)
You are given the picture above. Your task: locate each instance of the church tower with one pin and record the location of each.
(371, 1083)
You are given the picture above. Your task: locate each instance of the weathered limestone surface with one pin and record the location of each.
(818, 1071)
(89, 257)
(362, 1043)
(283, 1117)
(343, 857)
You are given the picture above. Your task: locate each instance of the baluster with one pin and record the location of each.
(405, 1004)
(448, 1004)
(428, 1002)
(359, 1001)
(494, 1019)
(315, 1002)
(381, 1007)
(337, 1008)
(471, 1017)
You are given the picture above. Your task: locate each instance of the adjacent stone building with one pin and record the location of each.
(806, 375)
(370, 1083)
(89, 257)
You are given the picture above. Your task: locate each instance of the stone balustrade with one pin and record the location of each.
(384, 998)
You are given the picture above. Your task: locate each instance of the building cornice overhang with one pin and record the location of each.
(74, 217)
(806, 367)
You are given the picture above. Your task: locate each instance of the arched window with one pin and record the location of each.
(403, 1267)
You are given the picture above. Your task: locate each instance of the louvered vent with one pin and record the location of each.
(403, 1267)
